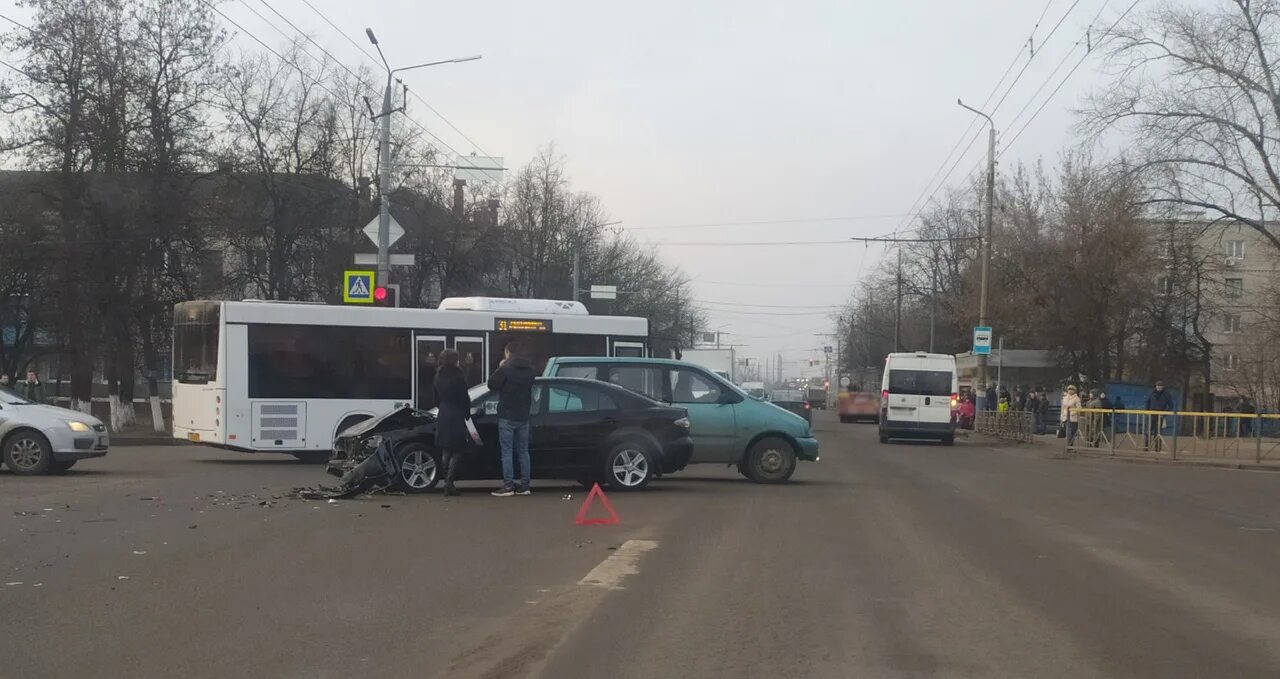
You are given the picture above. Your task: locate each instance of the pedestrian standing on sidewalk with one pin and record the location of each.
(1042, 413)
(1070, 417)
(1159, 400)
(31, 388)
(1249, 411)
(454, 408)
(513, 382)
(989, 398)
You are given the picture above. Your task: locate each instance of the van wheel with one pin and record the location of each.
(770, 460)
(28, 452)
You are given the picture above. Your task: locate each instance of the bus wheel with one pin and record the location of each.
(313, 456)
(419, 469)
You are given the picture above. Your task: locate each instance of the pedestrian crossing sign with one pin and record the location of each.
(357, 287)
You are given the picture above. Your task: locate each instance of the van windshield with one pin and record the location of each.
(920, 382)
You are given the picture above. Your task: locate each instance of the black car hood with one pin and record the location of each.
(402, 418)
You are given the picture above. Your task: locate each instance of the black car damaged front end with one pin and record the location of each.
(356, 443)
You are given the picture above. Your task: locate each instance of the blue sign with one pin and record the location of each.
(982, 340)
(357, 287)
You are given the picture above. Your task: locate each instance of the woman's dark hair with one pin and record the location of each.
(449, 357)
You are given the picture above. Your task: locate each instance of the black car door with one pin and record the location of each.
(484, 462)
(577, 419)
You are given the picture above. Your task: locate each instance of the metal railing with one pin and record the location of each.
(1013, 425)
(1174, 435)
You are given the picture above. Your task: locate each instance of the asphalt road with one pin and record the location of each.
(879, 561)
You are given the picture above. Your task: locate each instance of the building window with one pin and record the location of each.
(1230, 362)
(1233, 249)
(1235, 287)
(1231, 323)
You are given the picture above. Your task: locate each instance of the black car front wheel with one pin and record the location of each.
(770, 460)
(629, 466)
(419, 468)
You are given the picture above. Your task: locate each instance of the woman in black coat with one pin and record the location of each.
(452, 436)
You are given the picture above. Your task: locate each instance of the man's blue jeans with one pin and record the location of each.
(513, 437)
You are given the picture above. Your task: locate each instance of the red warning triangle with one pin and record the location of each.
(596, 492)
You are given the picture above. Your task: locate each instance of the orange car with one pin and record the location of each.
(859, 405)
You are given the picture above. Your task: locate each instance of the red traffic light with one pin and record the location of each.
(379, 293)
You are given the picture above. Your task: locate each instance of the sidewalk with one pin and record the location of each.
(1058, 447)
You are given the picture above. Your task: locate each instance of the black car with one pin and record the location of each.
(793, 401)
(582, 430)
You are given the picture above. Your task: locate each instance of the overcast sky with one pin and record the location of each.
(695, 113)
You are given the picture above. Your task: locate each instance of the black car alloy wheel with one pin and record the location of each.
(419, 469)
(629, 466)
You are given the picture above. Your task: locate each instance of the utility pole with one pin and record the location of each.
(897, 314)
(933, 298)
(577, 287)
(983, 320)
(384, 155)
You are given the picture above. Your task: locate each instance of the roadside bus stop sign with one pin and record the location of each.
(982, 340)
(357, 287)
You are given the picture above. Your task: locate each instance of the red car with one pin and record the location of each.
(859, 405)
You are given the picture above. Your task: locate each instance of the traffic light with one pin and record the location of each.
(387, 295)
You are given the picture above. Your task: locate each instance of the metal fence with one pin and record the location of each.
(1013, 425)
(1231, 436)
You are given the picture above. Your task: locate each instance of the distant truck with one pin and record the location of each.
(718, 361)
(817, 397)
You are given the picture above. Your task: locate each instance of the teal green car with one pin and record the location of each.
(727, 426)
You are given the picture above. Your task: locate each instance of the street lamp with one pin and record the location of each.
(986, 248)
(384, 154)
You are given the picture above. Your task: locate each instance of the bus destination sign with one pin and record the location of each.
(522, 325)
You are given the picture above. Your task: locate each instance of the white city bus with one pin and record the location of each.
(286, 377)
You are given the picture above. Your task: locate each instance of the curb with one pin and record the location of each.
(1132, 459)
(139, 441)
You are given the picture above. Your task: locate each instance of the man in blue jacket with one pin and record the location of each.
(513, 383)
(1158, 399)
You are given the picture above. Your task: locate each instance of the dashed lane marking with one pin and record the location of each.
(623, 562)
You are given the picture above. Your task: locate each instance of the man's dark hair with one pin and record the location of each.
(449, 357)
(1159, 383)
(513, 348)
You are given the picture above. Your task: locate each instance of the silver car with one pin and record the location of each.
(41, 439)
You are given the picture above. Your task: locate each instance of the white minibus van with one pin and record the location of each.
(918, 394)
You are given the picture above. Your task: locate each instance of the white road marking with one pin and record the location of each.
(623, 562)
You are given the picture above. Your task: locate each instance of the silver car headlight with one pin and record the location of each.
(78, 427)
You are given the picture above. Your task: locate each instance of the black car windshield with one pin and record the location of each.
(11, 397)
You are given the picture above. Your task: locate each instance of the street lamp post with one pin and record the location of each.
(986, 249)
(384, 155)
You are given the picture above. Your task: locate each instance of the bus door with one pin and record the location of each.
(426, 360)
(471, 358)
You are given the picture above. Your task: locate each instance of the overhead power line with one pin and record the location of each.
(918, 207)
(788, 220)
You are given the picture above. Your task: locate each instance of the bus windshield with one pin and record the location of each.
(195, 342)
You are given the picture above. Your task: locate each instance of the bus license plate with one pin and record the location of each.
(193, 436)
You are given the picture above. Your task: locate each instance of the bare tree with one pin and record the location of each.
(1197, 88)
